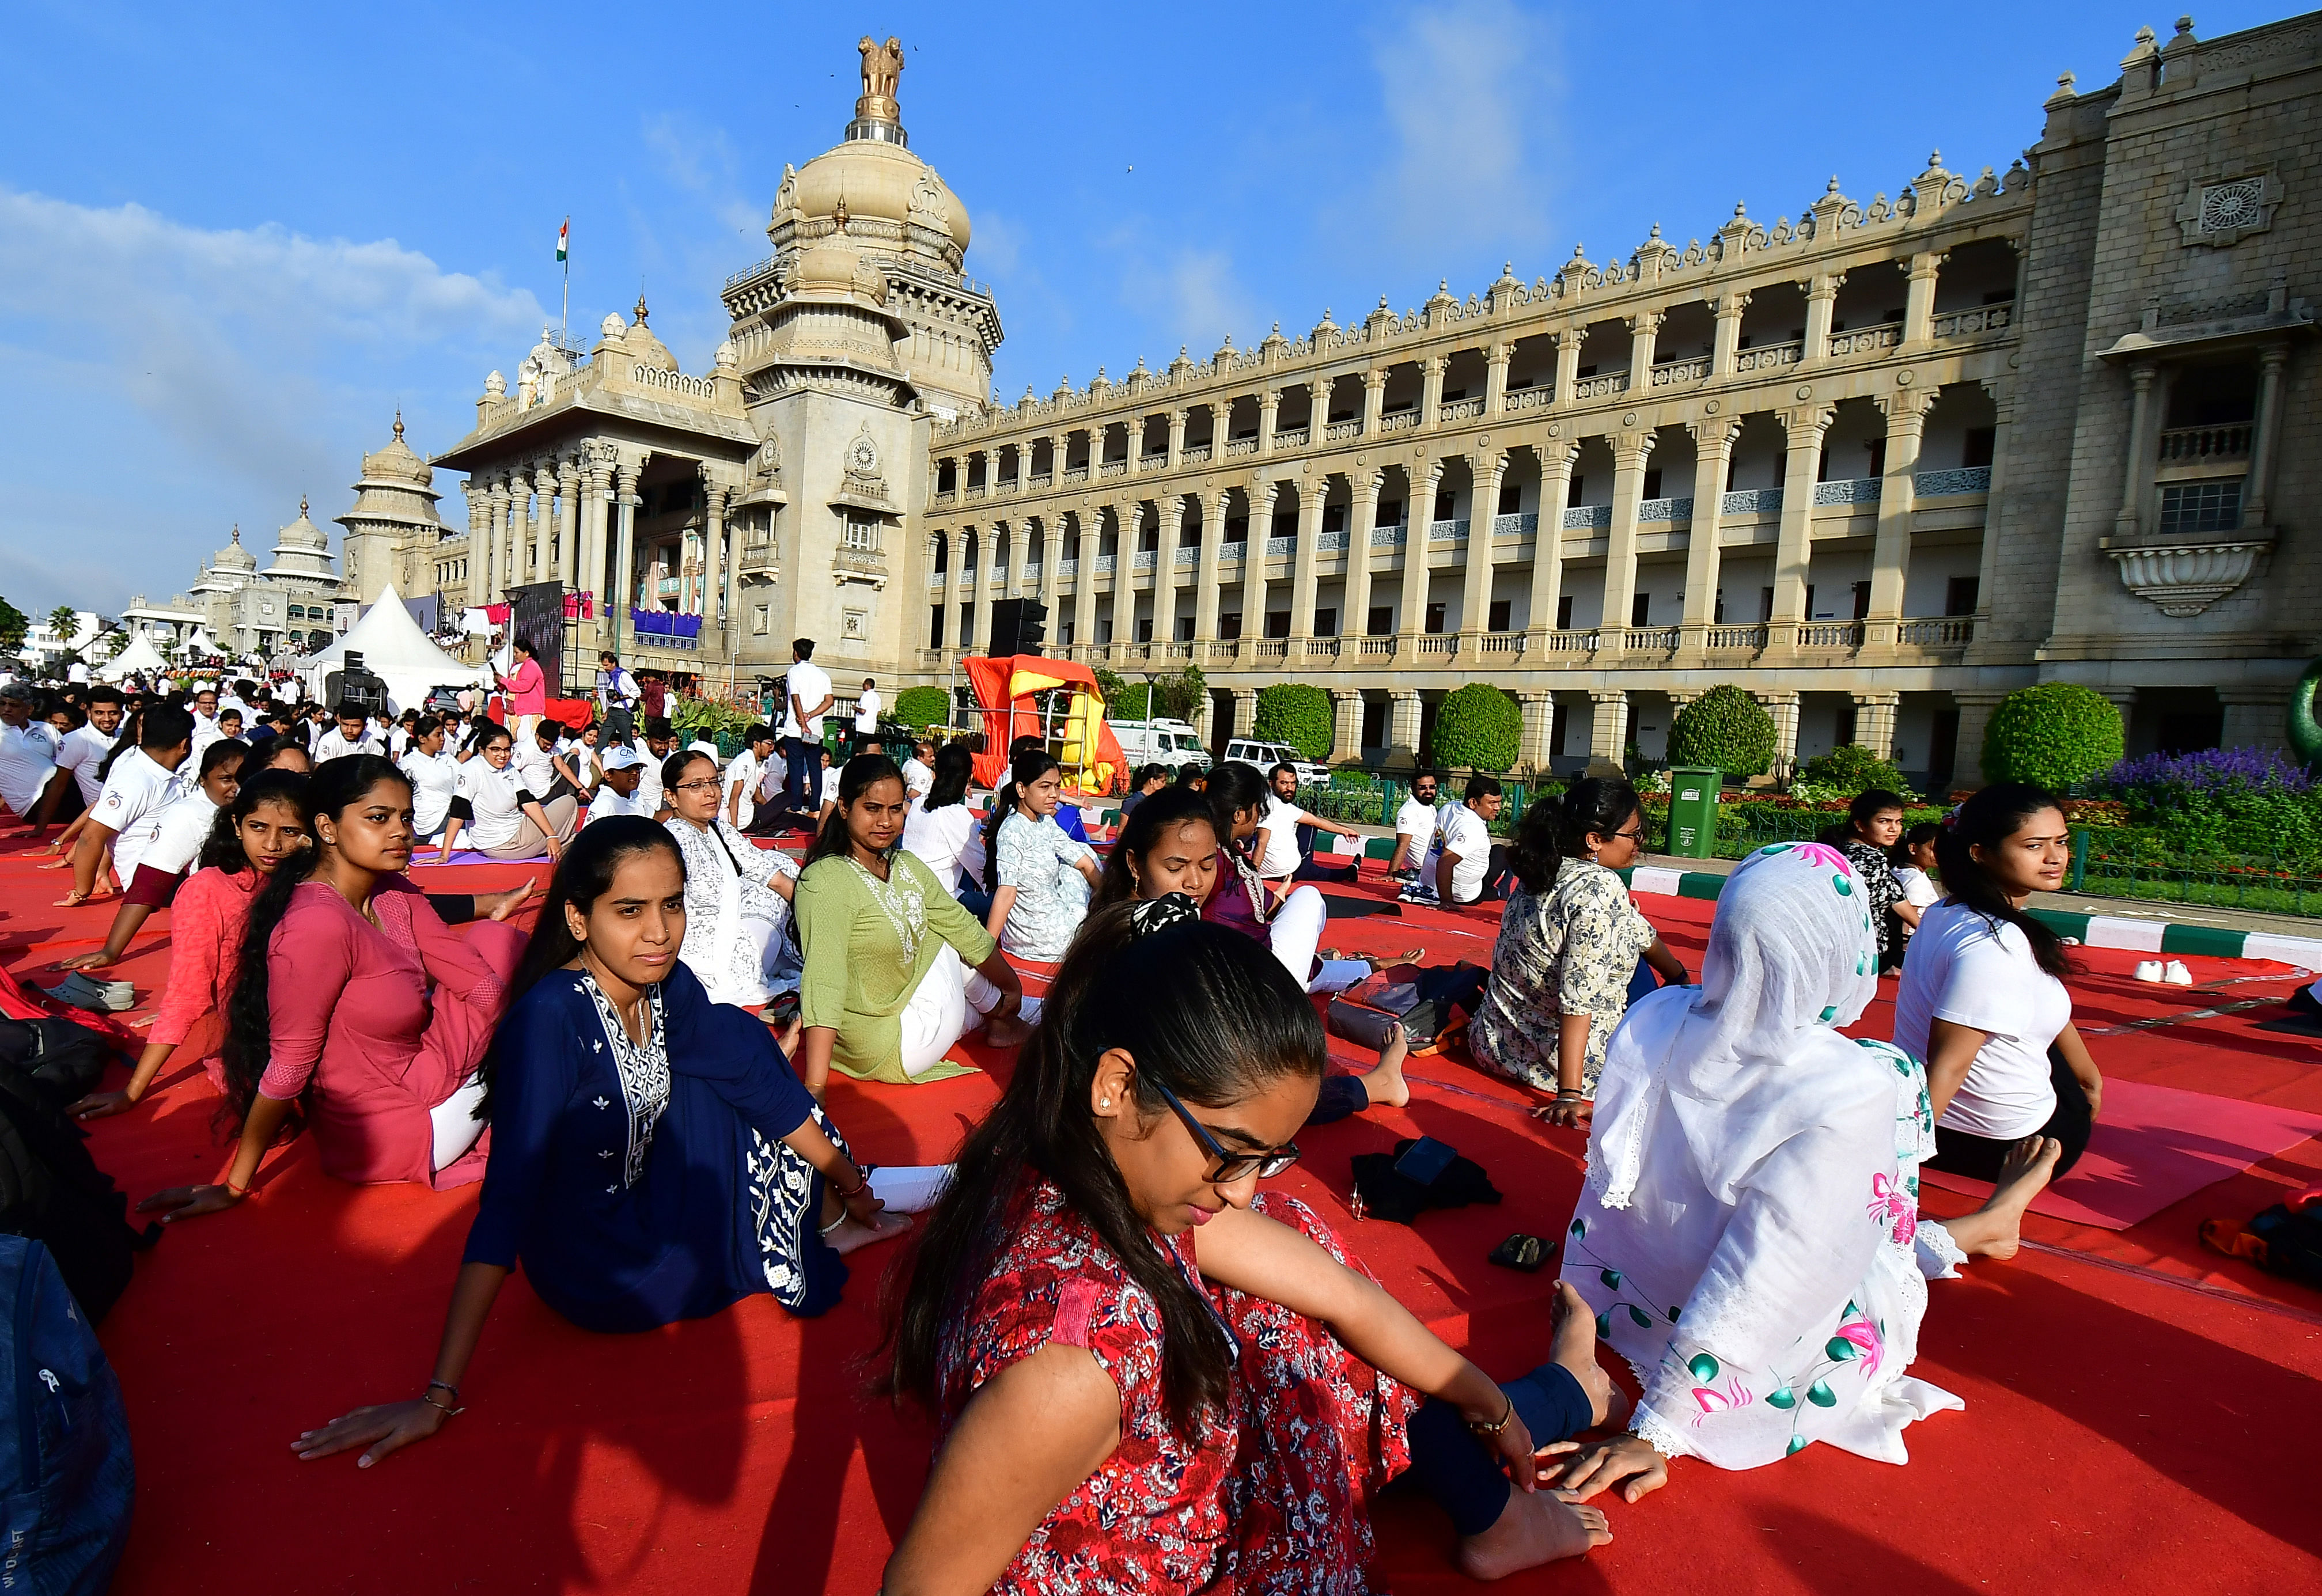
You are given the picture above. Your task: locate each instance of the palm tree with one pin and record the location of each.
(64, 621)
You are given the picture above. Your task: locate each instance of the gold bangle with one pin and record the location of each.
(1475, 1427)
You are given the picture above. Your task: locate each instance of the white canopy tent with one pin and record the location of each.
(396, 651)
(140, 655)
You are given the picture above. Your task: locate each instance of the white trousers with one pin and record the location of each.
(1296, 931)
(455, 1124)
(936, 1017)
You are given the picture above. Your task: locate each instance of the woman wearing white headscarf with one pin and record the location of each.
(1749, 1235)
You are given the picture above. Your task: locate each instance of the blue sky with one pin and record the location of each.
(233, 242)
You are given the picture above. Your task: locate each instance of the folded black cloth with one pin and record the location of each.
(1388, 1193)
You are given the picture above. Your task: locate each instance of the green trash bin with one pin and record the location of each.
(1692, 812)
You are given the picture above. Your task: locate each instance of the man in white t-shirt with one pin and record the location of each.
(1414, 826)
(617, 794)
(78, 672)
(142, 781)
(806, 698)
(741, 777)
(1463, 864)
(1280, 859)
(919, 770)
(866, 713)
(85, 747)
(352, 734)
(29, 782)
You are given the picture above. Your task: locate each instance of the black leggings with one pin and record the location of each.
(1979, 1158)
(1457, 1469)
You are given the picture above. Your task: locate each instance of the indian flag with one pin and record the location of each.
(563, 237)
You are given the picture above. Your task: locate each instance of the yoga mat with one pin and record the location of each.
(2154, 1147)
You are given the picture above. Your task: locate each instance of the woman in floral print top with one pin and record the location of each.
(1149, 1375)
(1569, 941)
(1874, 826)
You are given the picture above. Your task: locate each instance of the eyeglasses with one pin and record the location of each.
(1637, 835)
(696, 787)
(1225, 1167)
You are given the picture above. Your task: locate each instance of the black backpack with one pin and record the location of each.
(52, 1191)
(66, 1059)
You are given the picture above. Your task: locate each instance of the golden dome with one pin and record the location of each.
(877, 180)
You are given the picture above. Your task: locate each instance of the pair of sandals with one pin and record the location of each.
(81, 990)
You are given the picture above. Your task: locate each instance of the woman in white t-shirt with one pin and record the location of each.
(1917, 878)
(936, 830)
(1982, 1001)
(434, 777)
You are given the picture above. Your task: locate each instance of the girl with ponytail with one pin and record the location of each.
(888, 984)
(356, 1011)
(1030, 863)
(1114, 1326)
(1982, 1001)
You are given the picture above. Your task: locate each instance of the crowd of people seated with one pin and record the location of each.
(1146, 1369)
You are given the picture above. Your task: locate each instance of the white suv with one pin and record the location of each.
(1265, 756)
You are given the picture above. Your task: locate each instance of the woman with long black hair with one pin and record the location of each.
(1869, 837)
(1152, 1376)
(1036, 906)
(356, 1010)
(654, 1158)
(939, 825)
(737, 894)
(893, 963)
(1983, 999)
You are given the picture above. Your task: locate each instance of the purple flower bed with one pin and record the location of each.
(2210, 772)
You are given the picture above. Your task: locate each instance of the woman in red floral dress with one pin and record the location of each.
(1149, 1376)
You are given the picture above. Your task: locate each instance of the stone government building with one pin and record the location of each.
(1879, 463)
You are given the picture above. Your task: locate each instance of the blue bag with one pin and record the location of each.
(66, 1475)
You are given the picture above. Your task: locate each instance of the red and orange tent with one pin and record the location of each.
(1006, 688)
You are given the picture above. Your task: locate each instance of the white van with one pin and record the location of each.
(1161, 741)
(1265, 756)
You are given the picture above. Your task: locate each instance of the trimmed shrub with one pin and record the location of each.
(1296, 712)
(1479, 727)
(2057, 734)
(1726, 730)
(923, 708)
(1850, 769)
(1135, 702)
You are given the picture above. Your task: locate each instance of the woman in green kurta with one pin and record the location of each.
(887, 983)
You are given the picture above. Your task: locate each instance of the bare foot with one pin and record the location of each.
(505, 904)
(1005, 1033)
(852, 1233)
(1533, 1528)
(1377, 961)
(1994, 1230)
(1385, 1086)
(1575, 1351)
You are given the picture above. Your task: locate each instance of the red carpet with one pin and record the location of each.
(2140, 1414)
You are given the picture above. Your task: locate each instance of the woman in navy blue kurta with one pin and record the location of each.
(653, 1157)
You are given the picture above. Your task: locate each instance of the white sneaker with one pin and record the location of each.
(2151, 969)
(2177, 975)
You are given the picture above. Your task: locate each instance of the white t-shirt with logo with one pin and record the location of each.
(810, 685)
(171, 838)
(745, 773)
(435, 783)
(866, 711)
(334, 744)
(27, 764)
(1416, 820)
(919, 780)
(492, 795)
(609, 802)
(137, 788)
(1282, 858)
(82, 751)
(1463, 831)
(938, 837)
(1971, 971)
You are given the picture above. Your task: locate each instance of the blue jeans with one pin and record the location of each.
(802, 782)
(1456, 1469)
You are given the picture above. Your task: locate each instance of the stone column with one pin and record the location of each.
(1728, 307)
(1402, 726)
(2265, 436)
(1630, 452)
(722, 566)
(1304, 555)
(1487, 470)
(1793, 550)
(1568, 363)
(1169, 517)
(1919, 298)
(543, 522)
(1537, 750)
(1496, 376)
(1822, 293)
(2003, 402)
(568, 519)
(2136, 478)
(1419, 520)
(1874, 722)
(1783, 708)
(1205, 585)
(624, 558)
(1042, 530)
(1085, 587)
(1644, 327)
(1346, 725)
(1608, 724)
(1975, 707)
(1374, 399)
(1430, 391)
(1245, 711)
(1253, 563)
(1712, 442)
(1019, 558)
(1134, 427)
(588, 555)
(2256, 716)
(1128, 518)
(1176, 435)
(493, 554)
(1556, 458)
(1357, 621)
(980, 596)
(1269, 406)
(479, 511)
(1890, 558)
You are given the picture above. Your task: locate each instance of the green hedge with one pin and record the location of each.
(1851, 768)
(1296, 712)
(1726, 730)
(2057, 734)
(1479, 727)
(923, 708)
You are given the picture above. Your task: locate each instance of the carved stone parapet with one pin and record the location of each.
(2182, 578)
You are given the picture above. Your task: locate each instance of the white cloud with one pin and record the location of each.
(1469, 91)
(176, 378)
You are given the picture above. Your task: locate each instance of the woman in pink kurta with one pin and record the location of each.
(354, 1008)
